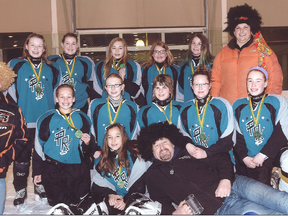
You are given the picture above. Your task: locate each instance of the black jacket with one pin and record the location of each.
(173, 181)
(13, 133)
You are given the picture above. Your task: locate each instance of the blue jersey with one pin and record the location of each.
(99, 115)
(119, 176)
(148, 75)
(56, 138)
(133, 89)
(184, 80)
(34, 103)
(132, 183)
(218, 126)
(273, 117)
(152, 113)
(83, 71)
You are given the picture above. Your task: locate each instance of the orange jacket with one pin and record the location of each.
(230, 69)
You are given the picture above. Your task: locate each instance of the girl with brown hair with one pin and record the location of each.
(160, 62)
(118, 172)
(117, 62)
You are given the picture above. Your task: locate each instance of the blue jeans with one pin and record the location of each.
(2, 194)
(249, 195)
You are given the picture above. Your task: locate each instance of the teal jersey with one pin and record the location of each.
(148, 75)
(56, 138)
(99, 115)
(83, 72)
(25, 90)
(152, 113)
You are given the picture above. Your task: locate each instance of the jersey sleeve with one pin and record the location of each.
(225, 141)
(279, 136)
(240, 148)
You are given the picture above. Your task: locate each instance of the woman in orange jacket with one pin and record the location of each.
(247, 49)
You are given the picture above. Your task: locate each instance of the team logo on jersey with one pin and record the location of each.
(252, 129)
(198, 137)
(70, 81)
(36, 87)
(120, 178)
(4, 115)
(63, 141)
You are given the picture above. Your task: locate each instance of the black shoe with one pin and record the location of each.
(20, 197)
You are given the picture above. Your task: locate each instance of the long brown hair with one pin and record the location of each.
(44, 55)
(163, 79)
(109, 60)
(169, 59)
(107, 161)
(206, 57)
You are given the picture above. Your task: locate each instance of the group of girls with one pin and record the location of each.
(66, 138)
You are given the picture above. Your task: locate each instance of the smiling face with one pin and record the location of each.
(159, 54)
(117, 50)
(114, 87)
(163, 149)
(35, 47)
(201, 86)
(161, 91)
(256, 82)
(70, 45)
(196, 46)
(242, 33)
(114, 138)
(65, 99)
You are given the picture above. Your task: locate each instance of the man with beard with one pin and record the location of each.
(175, 174)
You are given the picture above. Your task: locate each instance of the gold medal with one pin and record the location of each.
(39, 89)
(202, 137)
(257, 135)
(71, 84)
(122, 66)
(78, 134)
(120, 184)
(201, 121)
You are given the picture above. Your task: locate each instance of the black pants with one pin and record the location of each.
(65, 183)
(22, 163)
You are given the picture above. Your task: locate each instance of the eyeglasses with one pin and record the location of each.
(197, 85)
(115, 86)
(159, 52)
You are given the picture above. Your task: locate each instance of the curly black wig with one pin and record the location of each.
(243, 14)
(148, 136)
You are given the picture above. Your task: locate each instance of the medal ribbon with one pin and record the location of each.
(164, 72)
(192, 70)
(70, 122)
(201, 122)
(256, 121)
(38, 76)
(109, 112)
(117, 66)
(73, 65)
(170, 122)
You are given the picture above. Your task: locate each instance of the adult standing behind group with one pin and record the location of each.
(198, 53)
(246, 49)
